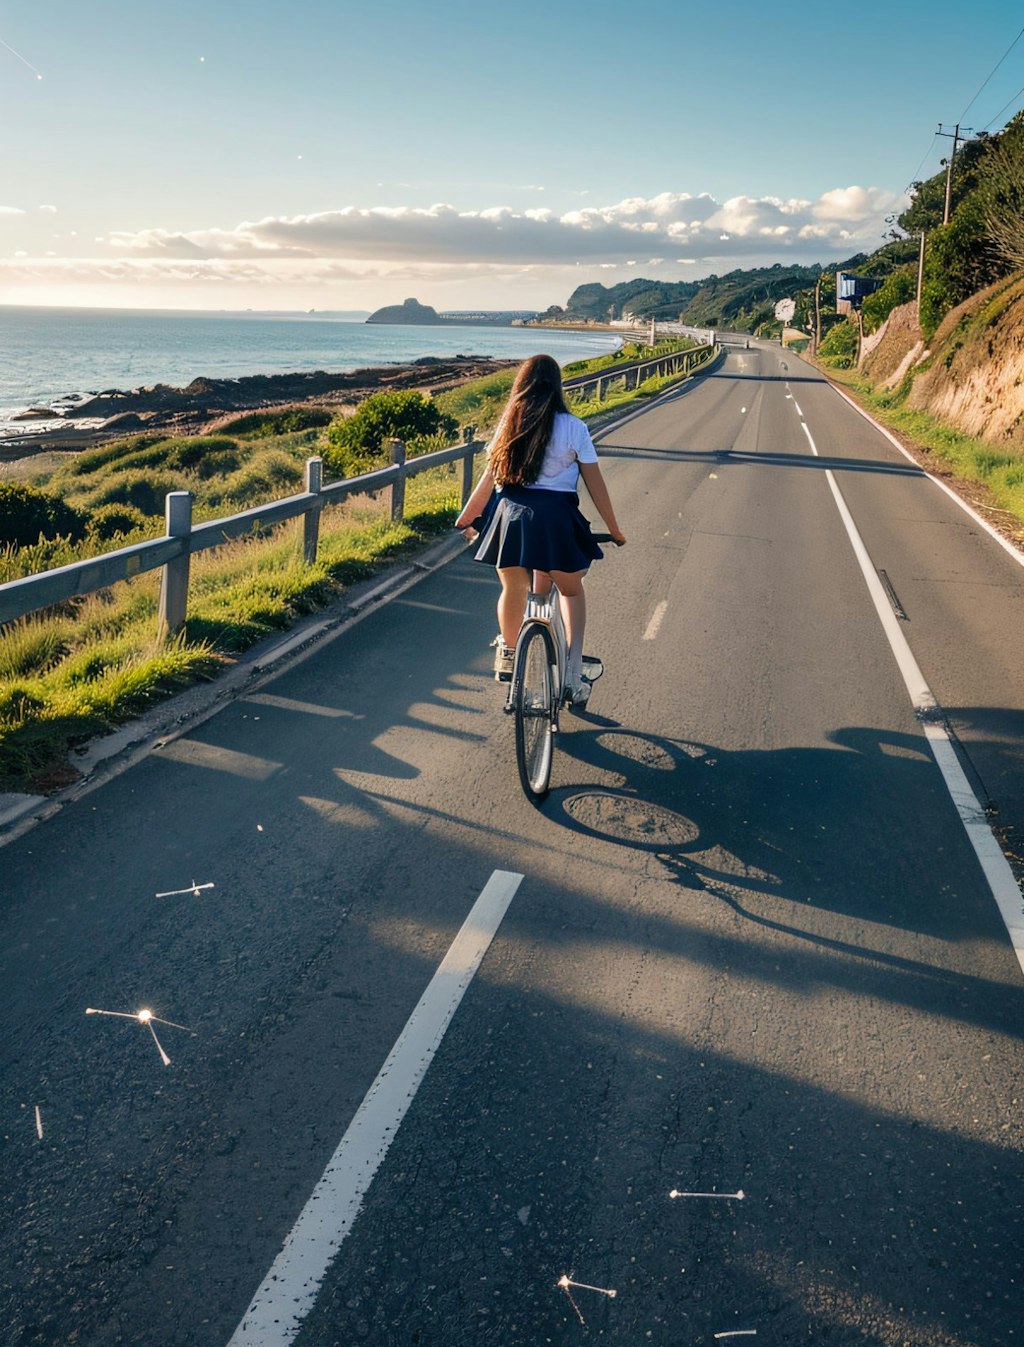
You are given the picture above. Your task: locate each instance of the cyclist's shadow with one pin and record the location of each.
(809, 824)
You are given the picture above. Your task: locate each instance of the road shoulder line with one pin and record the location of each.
(994, 865)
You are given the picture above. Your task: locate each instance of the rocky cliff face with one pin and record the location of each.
(971, 374)
(410, 313)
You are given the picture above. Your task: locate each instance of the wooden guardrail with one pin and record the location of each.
(632, 376)
(183, 539)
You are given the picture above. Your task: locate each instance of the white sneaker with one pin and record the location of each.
(504, 657)
(578, 696)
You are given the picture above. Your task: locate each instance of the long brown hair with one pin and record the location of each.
(517, 450)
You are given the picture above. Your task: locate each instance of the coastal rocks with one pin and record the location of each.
(208, 402)
(37, 414)
(124, 421)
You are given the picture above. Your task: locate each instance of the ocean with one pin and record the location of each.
(48, 355)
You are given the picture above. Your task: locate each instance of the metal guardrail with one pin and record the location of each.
(182, 540)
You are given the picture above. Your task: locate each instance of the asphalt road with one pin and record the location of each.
(752, 950)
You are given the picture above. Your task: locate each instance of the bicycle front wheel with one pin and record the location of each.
(533, 701)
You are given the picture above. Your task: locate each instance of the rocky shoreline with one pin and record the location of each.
(204, 404)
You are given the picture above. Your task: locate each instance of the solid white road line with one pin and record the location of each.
(995, 867)
(655, 622)
(287, 1293)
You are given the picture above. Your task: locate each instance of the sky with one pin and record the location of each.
(342, 155)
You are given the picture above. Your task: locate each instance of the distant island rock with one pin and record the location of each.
(409, 313)
(414, 314)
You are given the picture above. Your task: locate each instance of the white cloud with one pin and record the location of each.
(855, 204)
(494, 255)
(501, 234)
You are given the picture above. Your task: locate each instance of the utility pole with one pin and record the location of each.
(920, 275)
(817, 314)
(955, 137)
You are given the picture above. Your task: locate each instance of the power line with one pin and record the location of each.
(999, 114)
(991, 73)
(924, 159)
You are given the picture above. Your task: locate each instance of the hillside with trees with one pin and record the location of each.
(949, 373)
(741, 301)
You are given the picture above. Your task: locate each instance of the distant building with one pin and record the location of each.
(852, 290)
(504, 317)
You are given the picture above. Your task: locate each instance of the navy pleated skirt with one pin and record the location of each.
(536, 528)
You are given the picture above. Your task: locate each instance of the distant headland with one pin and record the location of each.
(413, 313)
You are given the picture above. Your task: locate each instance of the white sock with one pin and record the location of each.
(574, 663)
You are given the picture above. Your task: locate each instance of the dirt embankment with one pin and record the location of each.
(971, 374)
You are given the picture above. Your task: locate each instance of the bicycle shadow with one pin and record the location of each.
(812, 826)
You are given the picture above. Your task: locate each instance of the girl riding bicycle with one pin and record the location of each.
(531, 525)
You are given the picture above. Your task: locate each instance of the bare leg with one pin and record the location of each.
(573, 602)
(515, 585)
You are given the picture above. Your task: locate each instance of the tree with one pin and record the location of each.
(1003, 194)
(959, 261)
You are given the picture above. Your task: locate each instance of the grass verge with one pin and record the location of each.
(78, 671)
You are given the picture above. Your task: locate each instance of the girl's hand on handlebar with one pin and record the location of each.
(619, 538)
(470, 529)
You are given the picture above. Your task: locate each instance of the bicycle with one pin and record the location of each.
(537, 692)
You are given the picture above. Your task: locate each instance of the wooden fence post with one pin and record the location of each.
(174, 583)
(398, 487)
(467, 465)
(311, 519)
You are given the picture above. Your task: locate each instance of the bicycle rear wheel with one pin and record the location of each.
(533, 702)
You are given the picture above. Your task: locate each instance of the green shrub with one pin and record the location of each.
(28, 514)
(899, 288)
(219, 463)
(839, 348)
(192, 453)
(112, 520)
(261, 425)
(17, 702)
(269, 473)
(359, 439)
(145, 490)
(94, 459)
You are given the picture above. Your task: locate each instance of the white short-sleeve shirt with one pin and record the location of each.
(569, 446)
